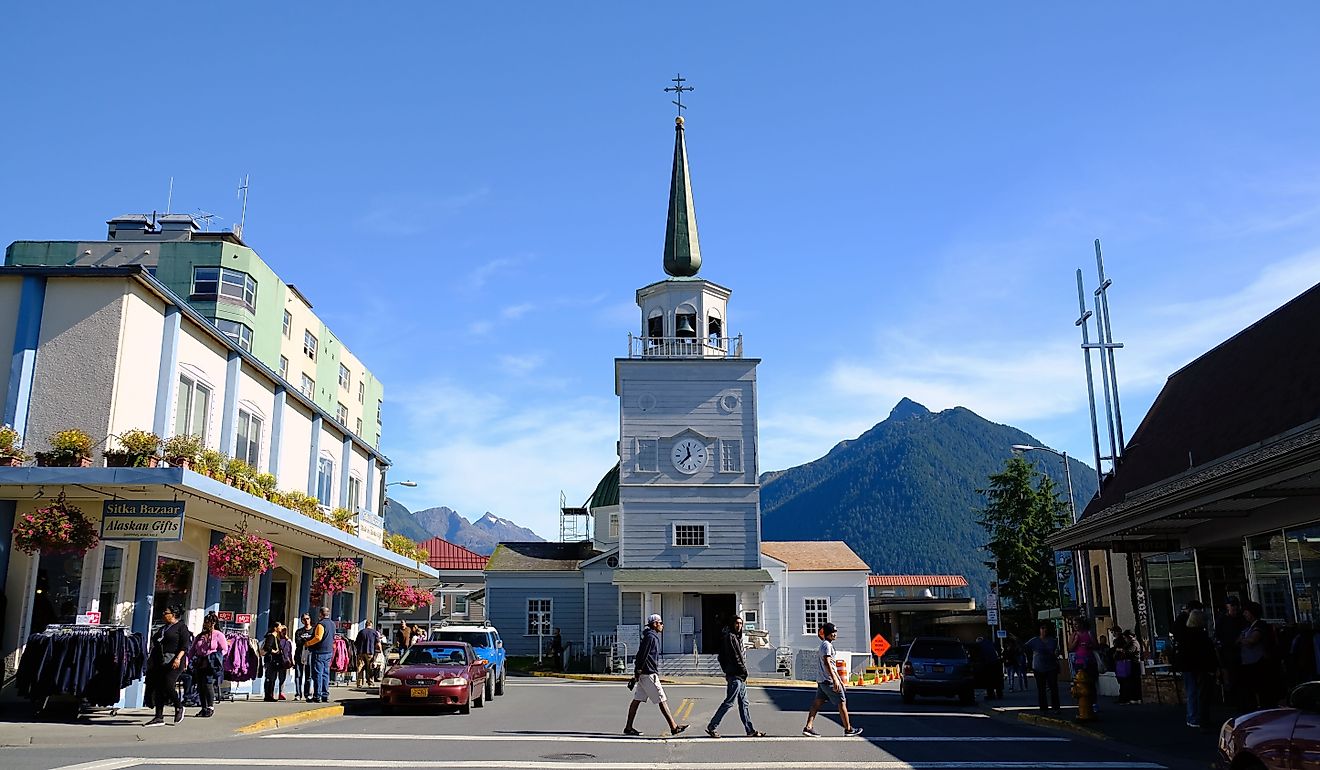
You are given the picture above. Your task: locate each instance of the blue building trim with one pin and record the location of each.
(144, 589)
(315, 456)
(263, 601)
(229, 418)
(167, 377)
(305, 588)
(345, 461)
(364, 585)
(23, 362)
(7, 509)
(212, 581)
(370, 501)
(276, 430)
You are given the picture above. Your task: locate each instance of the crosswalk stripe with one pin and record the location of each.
(618, 738)
(477, 764)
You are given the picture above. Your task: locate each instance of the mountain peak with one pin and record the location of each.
(906, 409)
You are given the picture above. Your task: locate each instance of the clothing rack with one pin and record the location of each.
(69, 702)
(227, 689)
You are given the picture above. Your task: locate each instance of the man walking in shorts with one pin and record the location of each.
(829, 685)
(645, 682)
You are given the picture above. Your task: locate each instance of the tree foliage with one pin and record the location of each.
(1021, 510)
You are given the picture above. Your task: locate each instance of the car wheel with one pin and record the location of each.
(466, 708)
(967, 697)
(499, 684)
(490, 689)
(908, 696)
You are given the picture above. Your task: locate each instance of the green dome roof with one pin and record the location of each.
(607, 491)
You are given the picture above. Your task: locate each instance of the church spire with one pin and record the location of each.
(682, 252)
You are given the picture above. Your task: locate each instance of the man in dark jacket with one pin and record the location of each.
(734, 665)
(645, 682)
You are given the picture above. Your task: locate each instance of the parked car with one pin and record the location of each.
(937, 666)
(485, 639)
(436, 674)
(1274, 738)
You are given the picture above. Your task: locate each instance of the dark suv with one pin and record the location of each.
(937, 666)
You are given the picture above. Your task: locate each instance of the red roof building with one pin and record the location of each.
(923, 581)
(444, 555)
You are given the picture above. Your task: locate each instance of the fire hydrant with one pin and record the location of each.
(1084, 693)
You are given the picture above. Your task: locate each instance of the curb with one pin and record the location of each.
(288, 720)
(1061, 724)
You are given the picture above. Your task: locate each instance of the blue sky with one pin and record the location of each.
(897, 194)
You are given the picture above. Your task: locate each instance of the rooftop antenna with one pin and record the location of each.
(677, 89)
(205, 218)
(243, 194)
(170, 200)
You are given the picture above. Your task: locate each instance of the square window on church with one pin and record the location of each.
(690, 535)
(614, 526)
(648, 455)
(731, 455)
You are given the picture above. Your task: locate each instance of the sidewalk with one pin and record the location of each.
(1151, 727)
(19, 728)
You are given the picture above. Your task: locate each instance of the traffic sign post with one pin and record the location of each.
(879, 646)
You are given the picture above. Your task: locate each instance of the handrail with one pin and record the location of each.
(685, 347)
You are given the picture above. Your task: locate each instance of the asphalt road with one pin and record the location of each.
(545, 723)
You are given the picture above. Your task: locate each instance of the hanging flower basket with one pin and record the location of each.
(399, 594)
(55, 528)
(172, 574)
(335, 576)
(241, 555)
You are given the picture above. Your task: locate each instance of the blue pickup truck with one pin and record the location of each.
(485, 640)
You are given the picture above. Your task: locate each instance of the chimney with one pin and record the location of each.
(177, 227)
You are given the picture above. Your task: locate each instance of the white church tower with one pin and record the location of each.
(689, 501)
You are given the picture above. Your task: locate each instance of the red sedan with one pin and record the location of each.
(1282, 738)
(436, 674)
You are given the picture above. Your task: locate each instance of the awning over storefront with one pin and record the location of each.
(690, 577)
(209, 503)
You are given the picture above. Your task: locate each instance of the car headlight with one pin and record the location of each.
(1226, 739)
(453, 680)
(390, 681)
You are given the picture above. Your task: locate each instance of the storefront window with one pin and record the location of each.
(174, 586)
(112, 570)
(1267, 569)
(58, 590)
(345, 608)
(1303, 548)
(1170, 584)
(233, 596)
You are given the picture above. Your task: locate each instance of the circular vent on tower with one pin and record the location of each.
(729, 402)
(646, 402)
(612, 562)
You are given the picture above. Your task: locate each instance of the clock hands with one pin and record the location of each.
(689, 453)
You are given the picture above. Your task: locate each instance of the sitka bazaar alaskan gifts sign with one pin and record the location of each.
(142, 520)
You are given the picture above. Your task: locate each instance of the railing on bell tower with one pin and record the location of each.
(685, 347)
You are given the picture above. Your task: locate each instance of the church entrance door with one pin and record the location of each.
(717, 611)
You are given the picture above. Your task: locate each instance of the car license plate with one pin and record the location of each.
(420, 692)
(937, 669)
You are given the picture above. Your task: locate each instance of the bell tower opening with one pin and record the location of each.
(685, 322)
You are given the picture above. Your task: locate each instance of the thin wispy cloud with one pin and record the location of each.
(408, 215)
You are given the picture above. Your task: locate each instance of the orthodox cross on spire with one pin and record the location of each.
(677, 89)
(682, 250)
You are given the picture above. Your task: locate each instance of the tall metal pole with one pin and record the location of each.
(1104, 381)
(1081, 565)
(1083, 316)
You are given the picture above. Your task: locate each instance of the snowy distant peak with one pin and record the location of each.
(480, 536)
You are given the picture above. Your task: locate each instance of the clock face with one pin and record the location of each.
(689, 455)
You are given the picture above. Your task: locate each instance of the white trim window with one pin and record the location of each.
(345, 378)
(308, 387)
(815, 613)
(648, 455)
(731, 455)
(614, 525)
(309, 344)
(354, 493)
(362, 390)
(248, 445)
(689, 534)
(325, 480)
(288, 325)
(341, 413)
(239, 333)
(284, 368)
(359, 426)
(540, 617)
(226, 284)
(192, 408)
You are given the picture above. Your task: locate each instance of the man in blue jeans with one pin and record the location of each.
(321, 647)
(734, 664)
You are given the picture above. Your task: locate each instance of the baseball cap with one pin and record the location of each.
(829, 628)
(654, 619)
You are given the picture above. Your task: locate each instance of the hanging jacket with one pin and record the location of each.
(339, 659)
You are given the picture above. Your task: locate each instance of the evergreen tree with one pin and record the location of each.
(1022, 509)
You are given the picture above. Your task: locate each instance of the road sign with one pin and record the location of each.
(992, 601)
(879, 646)
(992, 617)
(1002, 634)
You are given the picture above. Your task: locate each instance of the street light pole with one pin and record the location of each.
(1079, 566)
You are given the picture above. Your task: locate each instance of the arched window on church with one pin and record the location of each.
(655, 326)
(715, 330)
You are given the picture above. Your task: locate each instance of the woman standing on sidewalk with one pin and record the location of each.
(277, 657)
(302, 671)
(1197, 661)
(208, 662)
